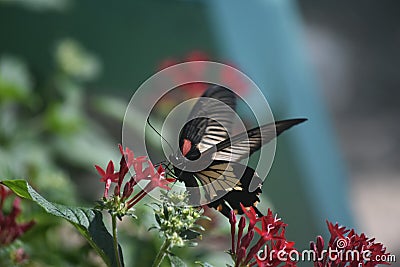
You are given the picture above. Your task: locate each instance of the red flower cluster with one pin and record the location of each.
(347, 248)
(195, 72)
(272, 239)
(110, 176)
(9, 228)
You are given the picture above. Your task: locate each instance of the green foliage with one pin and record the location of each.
(178, 224)
(176, 261)
(176, 221)
(204, 264)
(47, 135)
(88, 222)
(13, 255)
(76, 62)
(15, 80)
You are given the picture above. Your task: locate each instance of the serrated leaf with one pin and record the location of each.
(88, 222)
(176, 261)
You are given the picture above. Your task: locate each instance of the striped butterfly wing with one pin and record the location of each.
(226, 185)
(243, 145)
(204, 129)
(226, 182)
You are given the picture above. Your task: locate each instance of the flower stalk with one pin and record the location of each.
(161, 254)
(115, 240)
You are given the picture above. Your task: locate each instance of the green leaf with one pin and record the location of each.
(76, 62)
(89, 222)
(15, 79)
(176, 261)
(198, 227)
(157, 218)
(166, 213)
(205, 218)
(189, 234)
(203, 264)
(153, 228)
(192, 244)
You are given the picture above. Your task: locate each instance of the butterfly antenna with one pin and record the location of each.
(152, 127)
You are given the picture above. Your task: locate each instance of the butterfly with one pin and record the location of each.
(205, 139)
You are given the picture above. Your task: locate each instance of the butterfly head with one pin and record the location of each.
(183, 157)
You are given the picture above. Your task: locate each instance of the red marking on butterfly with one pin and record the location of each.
(187, 145)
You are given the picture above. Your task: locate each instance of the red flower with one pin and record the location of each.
(109, 174)
(127, 154)
(271, 225)
(126, 161)
(9, 228)
(195, 72)
(355, 250)
(138, 167)
(272, 237)
(232, 221)
(157, 179)
(251, 214)
(318, 250)
(239, 251)
(123, 203)
(232, 79)
(336, 231)
(4, 193)
(19, 256)
(286, 251)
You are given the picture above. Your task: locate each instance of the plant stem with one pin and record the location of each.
(132, 202)
(115, 240)
(163, 250)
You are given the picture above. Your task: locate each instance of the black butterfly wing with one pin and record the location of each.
(226, 185)
(243, 145)
(226, 182)
(204, 129)
(219, 177)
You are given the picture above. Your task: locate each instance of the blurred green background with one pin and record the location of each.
(68, 69)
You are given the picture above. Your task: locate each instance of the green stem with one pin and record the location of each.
(161, 254)
(115, 240)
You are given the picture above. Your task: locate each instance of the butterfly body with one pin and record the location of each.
(206, 141)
